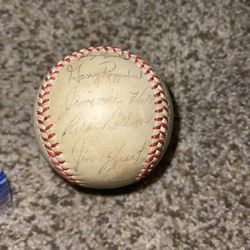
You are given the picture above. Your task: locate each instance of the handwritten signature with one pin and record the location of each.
(80, 153)
(121, 156)
(75, 99)
(112, 158)
(108, 70)
(93, 56)
(116, 119)
(141, 96)
(119, 118)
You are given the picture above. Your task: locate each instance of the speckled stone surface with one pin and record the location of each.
(198, 197)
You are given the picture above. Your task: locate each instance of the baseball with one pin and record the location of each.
(103, 118)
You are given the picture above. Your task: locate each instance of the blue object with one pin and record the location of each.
(5, 195)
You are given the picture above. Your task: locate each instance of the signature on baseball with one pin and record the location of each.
(106, 69)
(116, 119)
(103, 101)
(74, 99)
(111, 158)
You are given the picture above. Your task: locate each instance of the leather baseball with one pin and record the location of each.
(103, 118)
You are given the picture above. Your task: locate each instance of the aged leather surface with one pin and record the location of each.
(102, 110)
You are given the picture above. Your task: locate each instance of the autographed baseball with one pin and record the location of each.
(103, 118)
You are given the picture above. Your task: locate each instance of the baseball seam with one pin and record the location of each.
(48, 136)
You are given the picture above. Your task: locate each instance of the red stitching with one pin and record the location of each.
(46, 117)
(54, 145)
(161, 92)
(161, 118)
(43, 100)
(161, 101)
(50, 136)
(41, 103)
(154, 151)
(53, 72)
(79, 52)
(57, 162)
(148, 71)
(48, 147)
(66, 175)
(156, 143)
(43, 111)
(45, 139)
(151, 79)
(161, 110)
(153, 158)
(163, 125)
(161, 121)
(53, 154)
(44, 94)
(44, 130)
(157, 136)
(67, 59)
(59, 65)
(155, 86)
(51, 147)
(49, 85)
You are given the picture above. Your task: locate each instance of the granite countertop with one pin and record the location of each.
(198, 197)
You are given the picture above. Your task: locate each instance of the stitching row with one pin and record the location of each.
(46, 128)
(161, 120)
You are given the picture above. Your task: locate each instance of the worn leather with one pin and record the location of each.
(102, 110)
